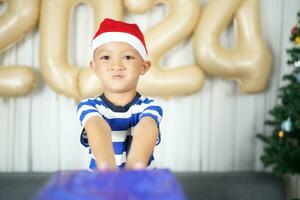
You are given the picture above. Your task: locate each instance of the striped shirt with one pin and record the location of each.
(122, 120)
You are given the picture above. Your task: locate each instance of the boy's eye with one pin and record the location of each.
(104, 57)
(128, 57)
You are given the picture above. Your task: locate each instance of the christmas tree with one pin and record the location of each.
(282, 146)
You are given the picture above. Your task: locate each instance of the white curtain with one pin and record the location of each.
(211, 130)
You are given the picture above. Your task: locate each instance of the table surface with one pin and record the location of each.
(196, 185)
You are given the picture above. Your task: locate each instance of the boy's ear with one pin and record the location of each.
(92, 65)
(146, 67)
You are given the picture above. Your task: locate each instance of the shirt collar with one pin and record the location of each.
(116, 108)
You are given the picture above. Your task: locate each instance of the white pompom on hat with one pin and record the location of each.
(117, 31)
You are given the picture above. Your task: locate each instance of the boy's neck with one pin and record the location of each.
(120, 99)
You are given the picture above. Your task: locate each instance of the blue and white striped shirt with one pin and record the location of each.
(122, 120)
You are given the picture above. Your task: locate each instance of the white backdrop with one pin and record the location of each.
(212, 130)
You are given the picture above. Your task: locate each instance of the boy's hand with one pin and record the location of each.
(99, 135)
(144, 139)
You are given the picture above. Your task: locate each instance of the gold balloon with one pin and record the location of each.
(16, 81)
(61, 76)
(70, 80)
(19, 18)
(178, 24)
(250, 61)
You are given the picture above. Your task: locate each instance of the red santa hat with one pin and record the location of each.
(117, 31)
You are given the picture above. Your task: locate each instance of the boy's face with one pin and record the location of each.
(118, 65)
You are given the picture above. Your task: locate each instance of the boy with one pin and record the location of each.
(120, 119)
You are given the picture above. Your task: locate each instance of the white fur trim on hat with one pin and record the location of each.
(107, 37)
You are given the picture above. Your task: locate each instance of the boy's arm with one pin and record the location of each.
(99, 136)
(144, 139)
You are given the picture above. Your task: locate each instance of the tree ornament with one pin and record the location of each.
(281, 134)
(294, 30)
(297, 63)
(297, 40)
(287, 125)
(297, 76)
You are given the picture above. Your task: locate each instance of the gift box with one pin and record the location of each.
(112, 185)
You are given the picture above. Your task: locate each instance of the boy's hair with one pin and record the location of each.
(117, 31)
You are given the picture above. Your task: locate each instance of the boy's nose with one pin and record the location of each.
(117, 65)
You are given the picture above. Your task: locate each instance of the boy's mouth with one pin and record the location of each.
(117, 76)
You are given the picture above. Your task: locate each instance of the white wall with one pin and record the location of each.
(212, 130)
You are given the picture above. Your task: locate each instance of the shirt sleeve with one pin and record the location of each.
(154, 111)
(85, 110)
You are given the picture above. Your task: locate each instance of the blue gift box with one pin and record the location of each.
(124, 185)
